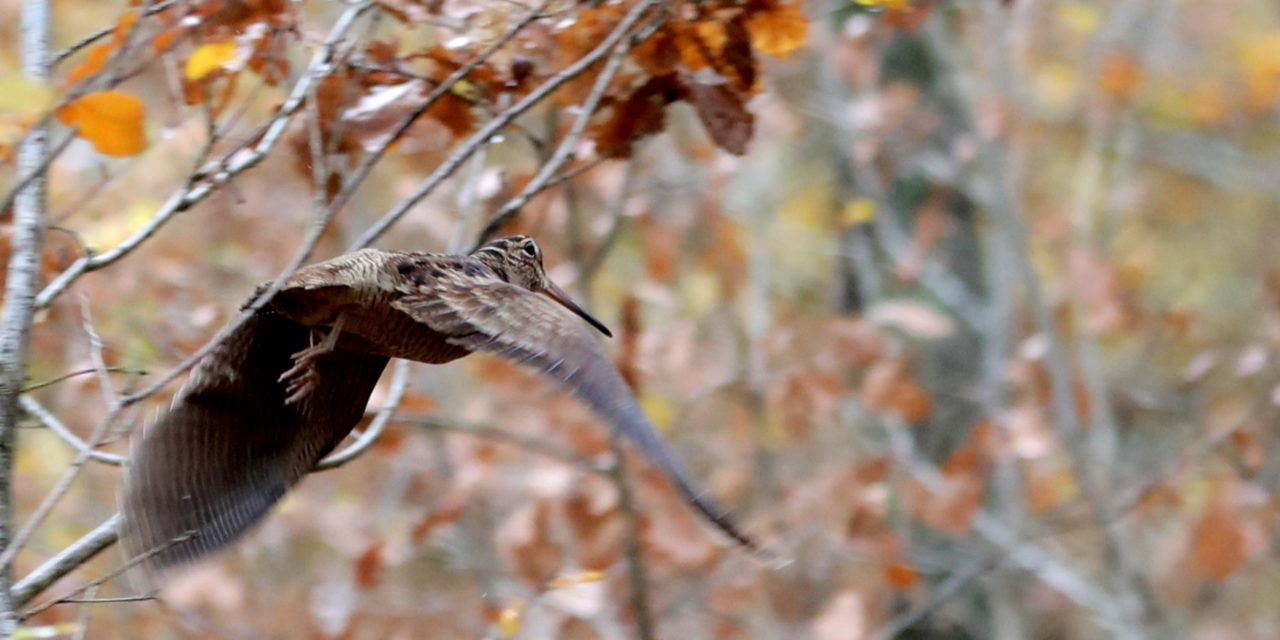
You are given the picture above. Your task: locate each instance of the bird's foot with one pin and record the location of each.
(304, 376)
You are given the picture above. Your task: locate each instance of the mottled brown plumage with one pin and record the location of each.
(264, 407)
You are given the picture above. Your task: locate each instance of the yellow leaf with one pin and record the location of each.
(581, 578)
(779, 30)
(660, 410)
(60, 630)
(1261, 61)
(23, 95)
(208, 58)
(893, 5)
(509, 620)
(1080, 16)
(859, 211)
(112, 120)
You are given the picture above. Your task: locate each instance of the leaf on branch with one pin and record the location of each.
(659, 53)
(112, 120)
(640, 114)
(208, 58)
(1217, 544)
(369, 567)
(889, 386)
(165, 40)
(698, 43)
(94, 61)
(739, 59)
(901, 575)
(126, 23)
(779, 29)
(410, 11)
(724, 116)
(574, 40)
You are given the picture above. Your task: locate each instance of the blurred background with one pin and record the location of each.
(971, 318)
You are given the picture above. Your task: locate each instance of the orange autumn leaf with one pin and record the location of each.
(1217, 544)
(1120, 76)
(779, 30)
(658, 54)
(368, 567)
(112, 120)
(901, 575)
(126, 23)
(94, 61)
(698, 43)
(889, 386)
(165, 40)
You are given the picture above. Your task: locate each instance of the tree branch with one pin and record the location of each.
(21, 282)
(66, 561)
(497, 123)
(209, 180)
(565, 150)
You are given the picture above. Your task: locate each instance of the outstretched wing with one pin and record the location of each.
(229, 447)
(486, 314)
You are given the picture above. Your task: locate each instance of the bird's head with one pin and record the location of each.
(518, 260)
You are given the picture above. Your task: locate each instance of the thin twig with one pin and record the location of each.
(131, 563)
(532, 445)
(67, 376)
(108, 77)
(938, 596)
(109, 396)
(204, 183)
(637, 571)
(1032, 558)
(495, 125)
(399, 382)
(566, 148)
(33, 407)
(357, 177)
(60, 56)
(617, 208)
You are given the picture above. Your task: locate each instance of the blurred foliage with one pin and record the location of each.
(966, 307)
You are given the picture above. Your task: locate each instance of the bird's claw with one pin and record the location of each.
(303, 377)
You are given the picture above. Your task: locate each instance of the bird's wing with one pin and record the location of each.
(228, 448)
(485, 314)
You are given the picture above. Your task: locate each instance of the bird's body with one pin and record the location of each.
(290, 383)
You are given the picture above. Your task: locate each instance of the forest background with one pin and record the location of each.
(966, 308)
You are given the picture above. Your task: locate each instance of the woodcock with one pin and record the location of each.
(289, 384)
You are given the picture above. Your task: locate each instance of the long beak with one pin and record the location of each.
(556, 293)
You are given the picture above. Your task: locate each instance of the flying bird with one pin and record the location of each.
(260, 410)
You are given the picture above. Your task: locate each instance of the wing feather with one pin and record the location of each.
(229, 447)
(515, 323)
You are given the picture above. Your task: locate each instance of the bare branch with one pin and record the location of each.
(357, 177)
(497, 123)
(67, 376)
(33, 407)
(26, 244)
(565, 151)
(205, 182)
(66, 561)
(538, 446)
(399, 381)
(637, 571)
(57, 58)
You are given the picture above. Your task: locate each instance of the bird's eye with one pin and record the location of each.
(531, 250)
